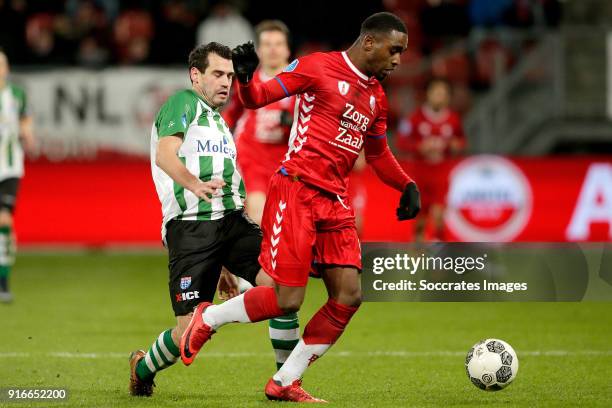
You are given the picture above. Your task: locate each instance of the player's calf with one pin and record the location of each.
(326, 326)
(321, 332)
(343, 285)
(7, 254)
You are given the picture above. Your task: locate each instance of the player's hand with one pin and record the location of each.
(432, 148)
(286, 118)
(410, 203)
(28, 143)
(245, 61)
(206, 189)
(228, 285)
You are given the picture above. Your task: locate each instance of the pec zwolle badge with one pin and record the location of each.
(185, 282)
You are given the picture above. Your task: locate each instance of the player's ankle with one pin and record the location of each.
(285, 378)
(209, 319)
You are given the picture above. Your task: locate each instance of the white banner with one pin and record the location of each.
(77, 112)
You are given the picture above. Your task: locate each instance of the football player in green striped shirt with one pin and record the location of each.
(15, 137)
(205, 228)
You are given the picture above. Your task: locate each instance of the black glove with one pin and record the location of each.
(410, 203)
(286, 118)
(245, 61)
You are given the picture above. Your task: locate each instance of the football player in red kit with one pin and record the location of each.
(261, 141)
(341, 109)
(262, 135)
(431, 136)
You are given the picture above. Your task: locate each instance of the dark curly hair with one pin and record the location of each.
(383, 23)
(198, 57)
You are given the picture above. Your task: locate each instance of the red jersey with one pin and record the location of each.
(261, 135)
(339, 111)
(424, 123)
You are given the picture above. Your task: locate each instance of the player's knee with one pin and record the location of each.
(263, 279)
(351, 297)
(290, 298)
(290, 305)
(354, 299)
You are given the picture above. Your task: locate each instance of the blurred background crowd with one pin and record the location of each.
(102, 33)
(97, 33)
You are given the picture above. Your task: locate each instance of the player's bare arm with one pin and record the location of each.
(26, 135)
(167, 159)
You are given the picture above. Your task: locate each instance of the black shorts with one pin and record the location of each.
(8, 193)
(198, 249)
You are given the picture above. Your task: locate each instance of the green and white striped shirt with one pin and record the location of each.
(208, 151)
(12, 109)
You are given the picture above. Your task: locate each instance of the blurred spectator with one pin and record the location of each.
(431, 136)
(86, 19)
(91, 54)
(12, 33)
(527, 13)
(225, 25)
(489, 13)
(174, 31)
(515, 13)
(492, 59)
(110, 8)
(85, 27)
(133, 34)
(441, 19)
(41, 40)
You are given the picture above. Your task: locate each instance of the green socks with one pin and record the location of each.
(284, 335)
(162, 354)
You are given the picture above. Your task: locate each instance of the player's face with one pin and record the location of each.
(4, 68)
(385, 53)
(438, 95)
(215, 82)
(273, 50)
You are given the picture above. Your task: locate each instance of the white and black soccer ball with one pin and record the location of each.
(491, 364)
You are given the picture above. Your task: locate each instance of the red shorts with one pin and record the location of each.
(432, 180)
(302, 224)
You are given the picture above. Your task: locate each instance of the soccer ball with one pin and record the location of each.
(491, 364)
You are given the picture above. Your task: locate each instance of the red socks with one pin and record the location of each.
(327, 325)
(260, 304)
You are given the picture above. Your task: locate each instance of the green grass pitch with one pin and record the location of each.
(77, 317)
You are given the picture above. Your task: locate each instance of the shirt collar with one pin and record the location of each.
(353, 67)
(200, 97)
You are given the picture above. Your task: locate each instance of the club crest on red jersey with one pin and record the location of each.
(372, 103)
(343, 87)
